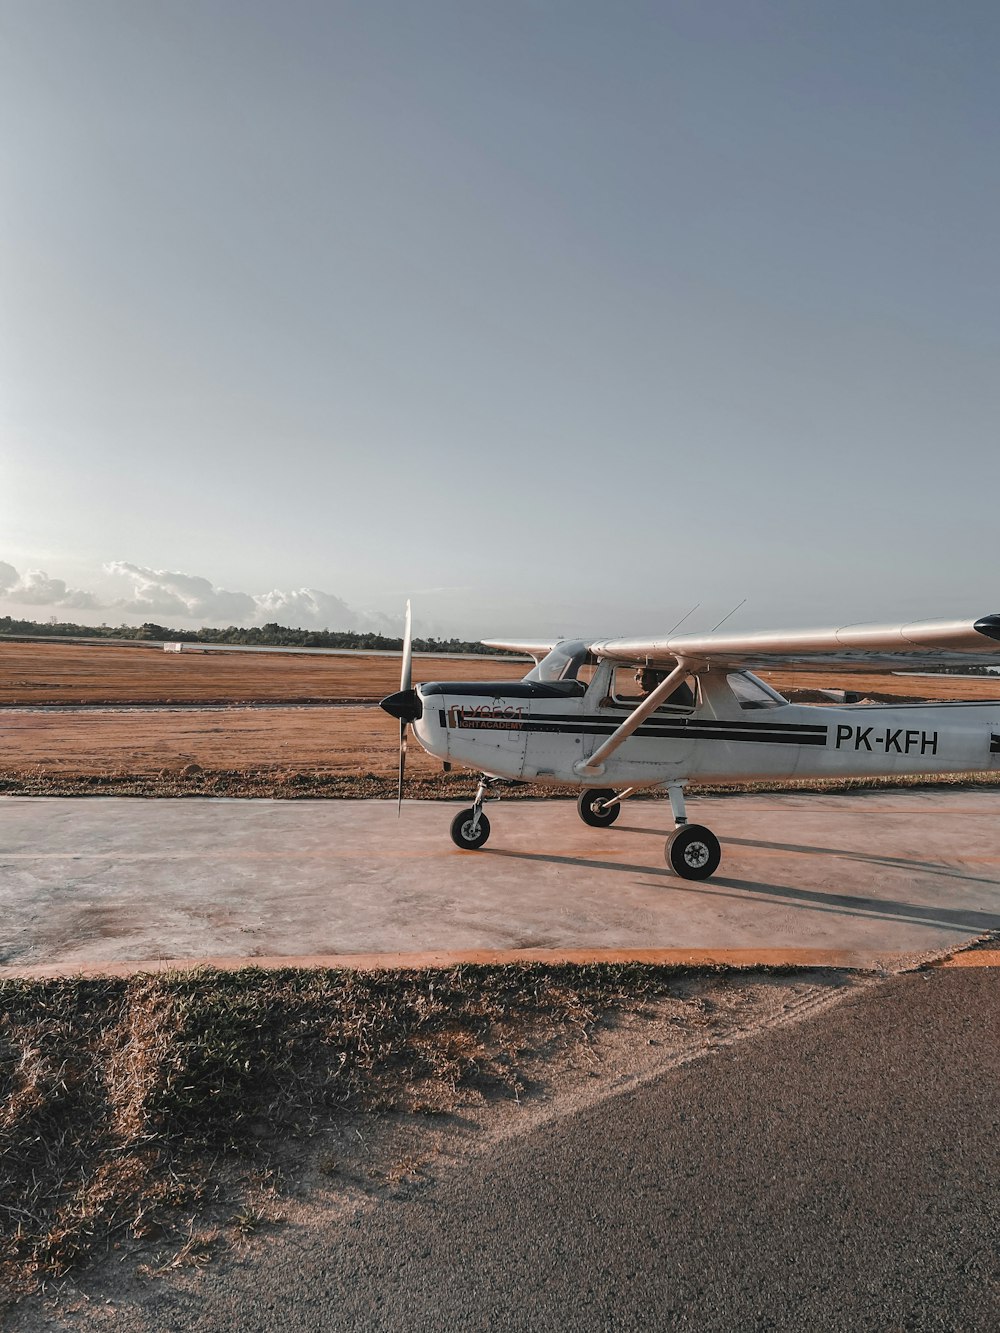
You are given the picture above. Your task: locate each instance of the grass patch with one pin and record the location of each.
(281, 784)
(144, 1112)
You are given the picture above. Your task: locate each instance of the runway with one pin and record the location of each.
(872, 880)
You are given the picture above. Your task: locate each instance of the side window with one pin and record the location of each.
(629, 689)
(586, 672)
(624, 689)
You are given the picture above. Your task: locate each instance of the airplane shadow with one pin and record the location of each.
(813, 900)
(875, 859)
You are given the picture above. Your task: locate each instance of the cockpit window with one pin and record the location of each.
(562, 663)
(630, 685)
(753, 693)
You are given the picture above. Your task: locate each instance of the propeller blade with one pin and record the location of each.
(406, 675)
(402, 765)
(405, 683)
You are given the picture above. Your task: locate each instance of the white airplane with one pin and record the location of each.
(640, 714)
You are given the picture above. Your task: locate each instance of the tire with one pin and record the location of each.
(597, 818)
(462, 834)
(693, 852)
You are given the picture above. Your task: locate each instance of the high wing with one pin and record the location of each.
(919, 646)
(536, 648)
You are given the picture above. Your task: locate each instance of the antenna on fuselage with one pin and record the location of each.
(683, 618)
(726, 617)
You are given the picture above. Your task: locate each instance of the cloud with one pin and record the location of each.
(304, 606)
(312, 609)
(163, 592)
(165, 595)
(35, 588)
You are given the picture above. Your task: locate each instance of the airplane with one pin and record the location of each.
(613, 717)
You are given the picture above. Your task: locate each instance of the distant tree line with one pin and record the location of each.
(966, 670)
(277, 636)
(265, 636)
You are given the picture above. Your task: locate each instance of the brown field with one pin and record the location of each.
(39, 748)
(889, 687)
(71, 673)
(341, 744)
(329, 740)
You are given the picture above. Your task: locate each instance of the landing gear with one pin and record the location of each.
(470, 828)
(692, 851)
(599, 807)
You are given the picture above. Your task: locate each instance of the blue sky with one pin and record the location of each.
(556, 317)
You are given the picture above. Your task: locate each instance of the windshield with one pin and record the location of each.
(752, 692)
(562, 663)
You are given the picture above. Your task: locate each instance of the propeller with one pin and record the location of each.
(405, 704)
(406, 674)
(405, 684)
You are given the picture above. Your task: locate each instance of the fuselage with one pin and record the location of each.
(542, 731)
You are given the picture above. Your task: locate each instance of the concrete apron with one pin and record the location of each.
(879, 880)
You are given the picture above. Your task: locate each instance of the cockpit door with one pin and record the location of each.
(665, 739)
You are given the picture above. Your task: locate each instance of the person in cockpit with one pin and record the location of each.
(647, 679)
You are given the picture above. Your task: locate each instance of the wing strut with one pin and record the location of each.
(594, 766)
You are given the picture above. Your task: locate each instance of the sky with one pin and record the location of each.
(556, 317)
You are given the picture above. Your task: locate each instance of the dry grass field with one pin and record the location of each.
(82, 673)
(164, 741)
(327, 740)
(882, 687)
(346, 743)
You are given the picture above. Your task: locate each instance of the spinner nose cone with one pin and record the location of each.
(404, 704)
(989, 625)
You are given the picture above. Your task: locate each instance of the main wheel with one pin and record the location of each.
(590, 814)
(693, 852)
(464, 833)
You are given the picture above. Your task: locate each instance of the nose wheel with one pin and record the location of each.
(470, 828)
(468, 831)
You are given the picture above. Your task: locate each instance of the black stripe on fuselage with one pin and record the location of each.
(690, 731)
(612, 721)
(787, 733)
(705, 722)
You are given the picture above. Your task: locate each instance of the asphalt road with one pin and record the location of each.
(840, 1174)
